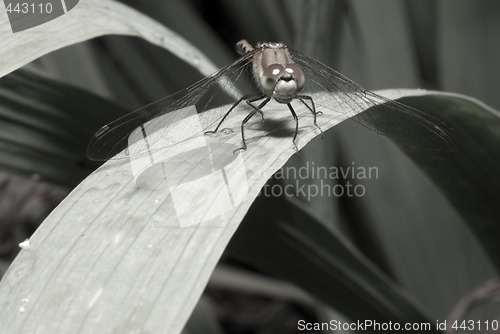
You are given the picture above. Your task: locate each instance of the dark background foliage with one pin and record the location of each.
(405, 225)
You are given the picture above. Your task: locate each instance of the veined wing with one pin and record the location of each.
(390, 118)
(209, 96)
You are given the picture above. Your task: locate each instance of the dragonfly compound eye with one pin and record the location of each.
(270, 77)
(296, 72)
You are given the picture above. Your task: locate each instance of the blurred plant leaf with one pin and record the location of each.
(92, 18)
(471, 178)
(282, 237)
(45, 140)
(203, 320)
(46, 126)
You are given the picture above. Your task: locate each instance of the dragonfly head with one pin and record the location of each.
(282, 82)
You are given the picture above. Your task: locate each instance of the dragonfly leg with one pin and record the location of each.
(252, 97)
(255, 110)
(296, 125)
(311, 108)
(260, 106)
(245, 120)
(301, 98)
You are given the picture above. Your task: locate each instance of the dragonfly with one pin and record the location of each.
(269, 71)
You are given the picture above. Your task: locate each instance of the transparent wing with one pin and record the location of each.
(175, 117)
(398, 121)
